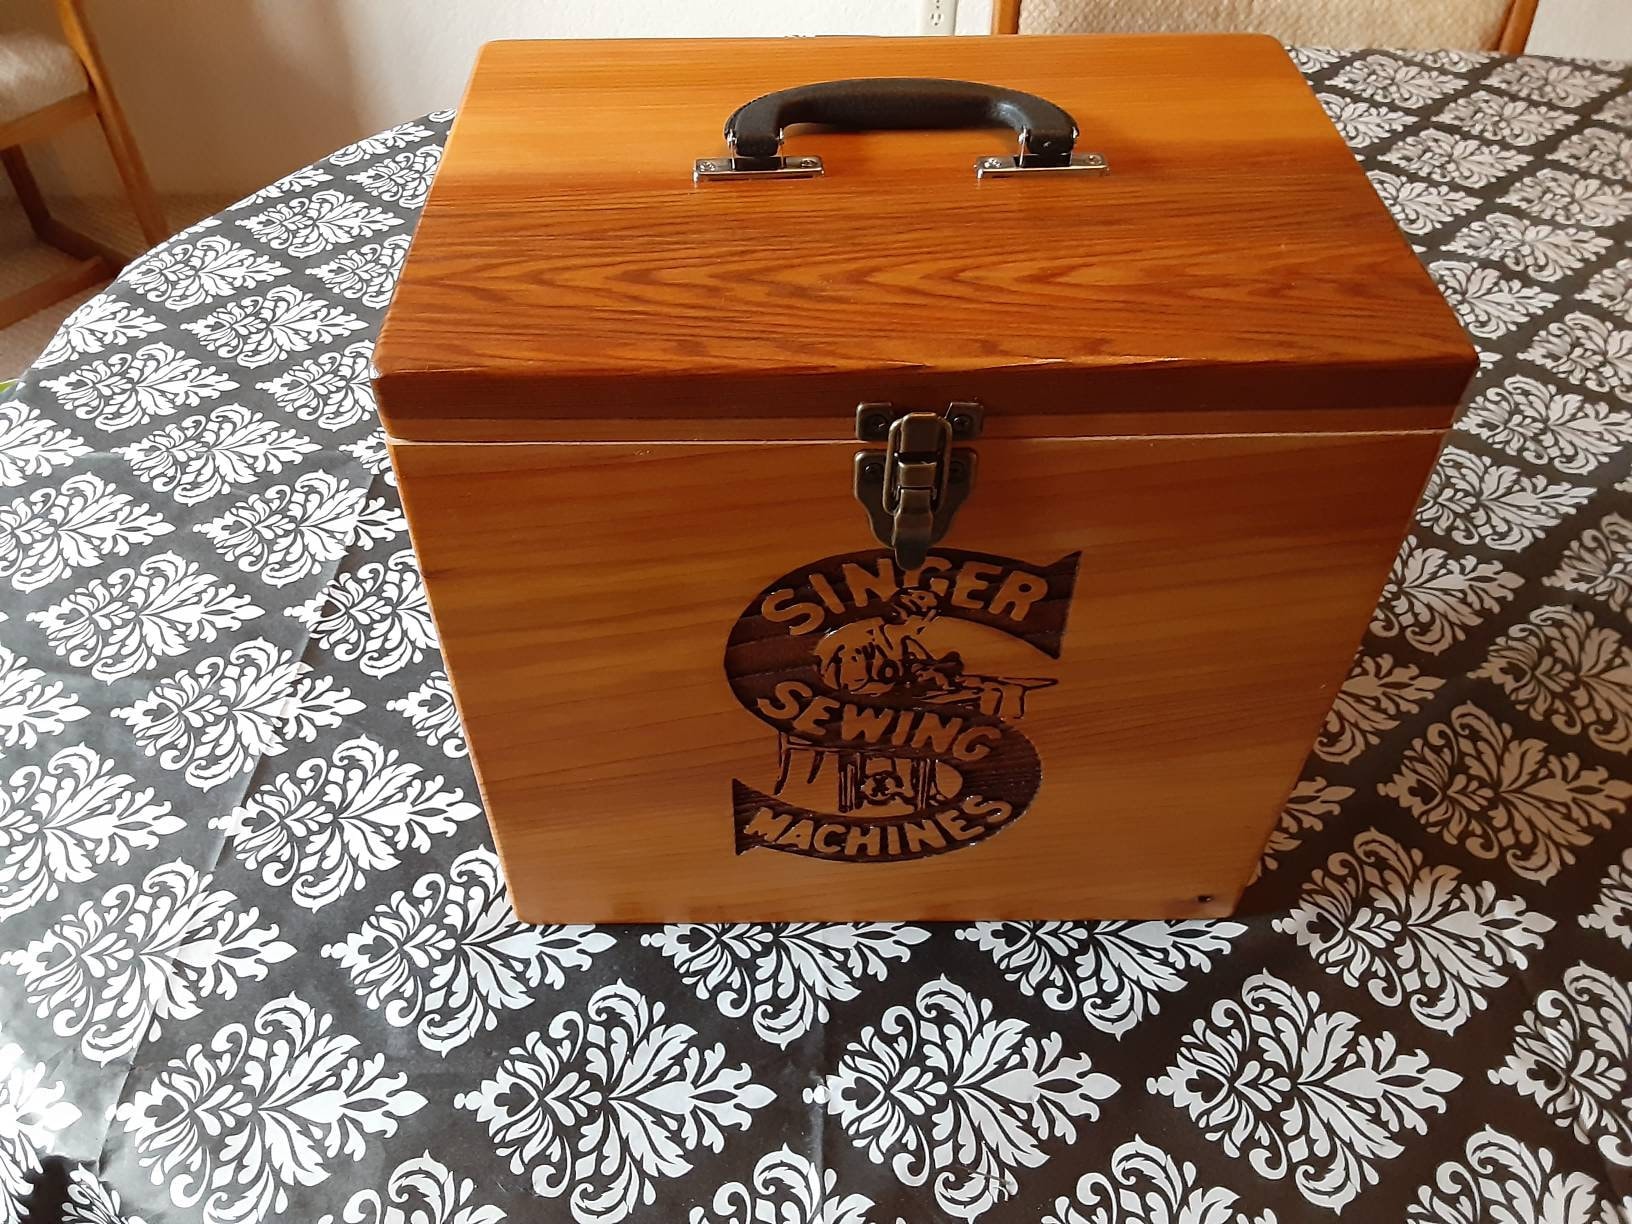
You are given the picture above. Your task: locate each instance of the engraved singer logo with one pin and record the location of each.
(893, 702)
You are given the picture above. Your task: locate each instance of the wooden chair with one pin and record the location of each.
(1494, 25)
(45, 85)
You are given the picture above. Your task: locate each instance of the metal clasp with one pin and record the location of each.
(913, 487)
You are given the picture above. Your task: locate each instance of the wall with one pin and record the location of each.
(1593, 29)
(226, 95)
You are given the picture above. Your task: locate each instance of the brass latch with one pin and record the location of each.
(913, 487)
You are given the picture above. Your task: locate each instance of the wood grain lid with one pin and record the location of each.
(1234, 270)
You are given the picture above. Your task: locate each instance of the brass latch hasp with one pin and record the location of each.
(913, 487)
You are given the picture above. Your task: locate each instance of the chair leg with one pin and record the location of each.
(94, 263)
(28, 190)
(48, 229)
(144, 202)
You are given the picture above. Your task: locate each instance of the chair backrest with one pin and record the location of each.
(1471, 25)
(35, 71)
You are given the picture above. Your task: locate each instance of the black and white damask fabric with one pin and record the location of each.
(256, 960)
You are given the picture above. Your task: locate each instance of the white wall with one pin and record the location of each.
(226, 95)
(1591, 29)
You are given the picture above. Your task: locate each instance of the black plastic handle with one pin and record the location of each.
(1048, 133)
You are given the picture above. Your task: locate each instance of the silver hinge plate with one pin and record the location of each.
(1080, 163)
(719, 169)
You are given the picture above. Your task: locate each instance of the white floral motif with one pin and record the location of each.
(1534, 248)
(448, 955)
(1611, 912)
(1548, 80)
(1395, 81)
(383, 142)
(49, 533)
(429, 709)
(1561, 666)
(127, 389)
(376, 615)
(182, 275)
(1115, 973)
(31, 706)
(198, 458)
(366, 273)
(1301, 1091)
(1433, 597)
(786, 1188)
(290, 184)
(1478, 784)
(1420, 207)
(1147, 1186)
(331, 821)
(787, 974)
(1313, 59)
(947, 1092)
(1488, 303)
(1587, 350)
(1599, 563)
(1598, 151)
(260, 329)
(262, 1109)
(1438, 155)
(1611, 288)
(100, 323)
(1374, 698)
(1536, 421)
(1312, 803)
(215, 721)
(1511, 121)
(1570, 199)
(31, 445)
(1449, 58)
(421, 1190)
(608, 1100)
(1475, 501)
(125, 623)
(1618, 110)
(91, 1202)
(404, 179)
(1412, 935)
(1501, 1180)
(1361, 122)
(289, 532)
(108, 973)
(370, 451)
(331, 388)
(62, 823)
(1572, 1055)
(307, 225)
(35, 1113)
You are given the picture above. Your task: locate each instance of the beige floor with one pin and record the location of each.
(24, 261)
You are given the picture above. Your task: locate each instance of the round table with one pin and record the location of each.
(257, 958)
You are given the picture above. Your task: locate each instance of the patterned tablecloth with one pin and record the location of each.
(256, 960)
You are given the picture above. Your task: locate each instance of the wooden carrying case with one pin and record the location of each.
(674, 421)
